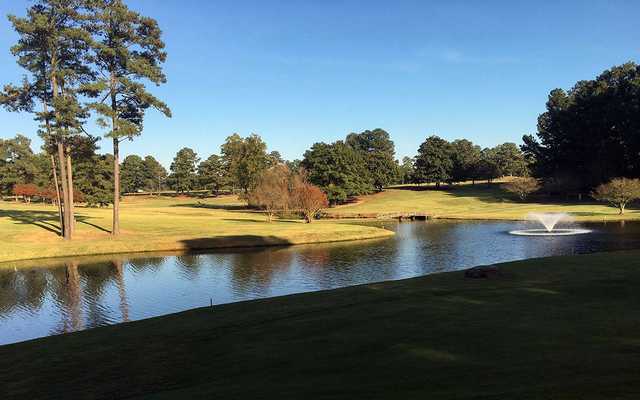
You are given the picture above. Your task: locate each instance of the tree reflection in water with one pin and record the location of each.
(67, 295)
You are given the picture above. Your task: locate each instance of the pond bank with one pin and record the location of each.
(133, 243)
(31, 231)
(560, 325)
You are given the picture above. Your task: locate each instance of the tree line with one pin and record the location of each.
(85, 59)
(589, 134)
(363, 163)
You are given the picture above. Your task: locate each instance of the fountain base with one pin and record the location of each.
(553, 232)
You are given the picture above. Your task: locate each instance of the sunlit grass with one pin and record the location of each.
(153, 224)
(475, 202)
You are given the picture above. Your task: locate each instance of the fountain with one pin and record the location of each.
(549, 221)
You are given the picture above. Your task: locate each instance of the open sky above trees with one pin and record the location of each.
(295, 70)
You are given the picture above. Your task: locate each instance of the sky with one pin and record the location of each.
(300, 72)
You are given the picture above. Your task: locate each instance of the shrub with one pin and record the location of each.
(522, 187)
(619, 192)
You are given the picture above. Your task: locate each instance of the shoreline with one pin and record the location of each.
(344, 335)
(201, 245)
(231, 242)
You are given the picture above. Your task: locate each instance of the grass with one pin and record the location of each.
(565, 328)
(473, 202)
(159, 224)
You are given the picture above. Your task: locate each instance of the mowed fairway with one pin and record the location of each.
(474, 202)
(556, 328)
(159, 223)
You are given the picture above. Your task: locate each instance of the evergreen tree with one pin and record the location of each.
(338, 169)
(510, 159)
(378, 151)
(434, 162)
(211, 173)
(128, 50)
(154, 174)
(52, 47)
(133, 177)
(466, 158)
(488, 167)
(405, 170)
(245, 159)
(591, 133)
(183, 170)
(17, 163)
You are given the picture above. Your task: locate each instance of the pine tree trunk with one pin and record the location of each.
(61, 159)
(55, 182)
(65, 191)
(115, 231)
(72, 214)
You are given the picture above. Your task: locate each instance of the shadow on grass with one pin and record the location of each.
(491, 193)
(494, 193)
(264, 220)
(47, 220)
(228, 207)
(234, 241)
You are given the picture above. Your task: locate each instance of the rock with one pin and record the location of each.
(482, 272)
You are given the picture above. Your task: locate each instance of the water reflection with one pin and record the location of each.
(70, 295)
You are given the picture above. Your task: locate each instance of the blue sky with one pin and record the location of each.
(298, 72)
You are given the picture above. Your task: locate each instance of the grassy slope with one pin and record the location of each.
(29, 231)
(473, 202)
(566, 328)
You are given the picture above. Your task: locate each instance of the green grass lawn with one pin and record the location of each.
(556, 328)
(159, 224)
(473, 202)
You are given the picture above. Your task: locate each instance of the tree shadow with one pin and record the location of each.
(228, 207)
(495, 193)
(214, 242)
(47, 220)
(83, 220)
(275, 220)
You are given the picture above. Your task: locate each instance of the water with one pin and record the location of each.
(549, 220)
(53, 297)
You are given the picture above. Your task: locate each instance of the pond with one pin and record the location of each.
(52, 297)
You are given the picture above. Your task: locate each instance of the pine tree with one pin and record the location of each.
(52, 47)
(128, 50)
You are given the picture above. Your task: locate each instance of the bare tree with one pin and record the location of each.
(271, 192)
(307, 197)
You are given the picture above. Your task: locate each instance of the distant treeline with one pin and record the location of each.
(362, 163)
(587, 136)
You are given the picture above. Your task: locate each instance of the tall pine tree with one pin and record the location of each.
(128, 51)
(52, 47)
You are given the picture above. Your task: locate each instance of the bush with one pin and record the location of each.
(619, 192)
(522, 187)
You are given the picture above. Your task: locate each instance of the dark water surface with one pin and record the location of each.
(62, 296)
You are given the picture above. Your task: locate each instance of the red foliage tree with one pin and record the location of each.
(47, 194)
(26, 190)
(309, 199)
